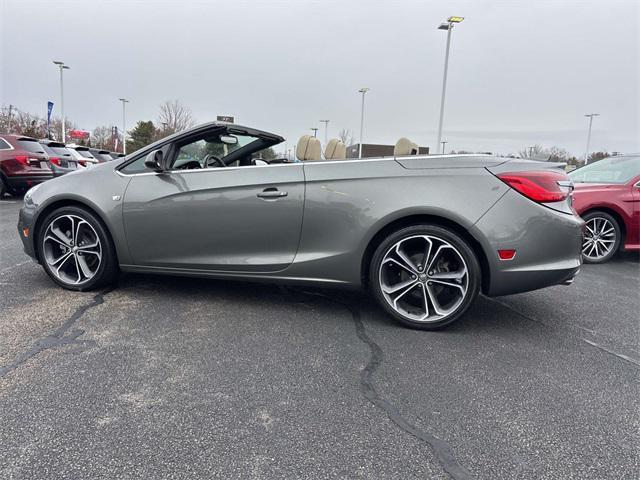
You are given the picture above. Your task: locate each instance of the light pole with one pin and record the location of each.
(443, 144)
(124, 126)
(363, 91)
(315, 131)
(586, 153)
(448, 26)
(62, 67)
(326, 128)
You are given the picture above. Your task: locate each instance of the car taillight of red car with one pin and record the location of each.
(539, 186)
(23, 159)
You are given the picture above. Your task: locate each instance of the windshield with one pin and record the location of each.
(608, 170)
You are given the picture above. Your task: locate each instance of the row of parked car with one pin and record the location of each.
(26, 161)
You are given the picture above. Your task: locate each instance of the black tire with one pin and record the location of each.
(414, 234)
(3, 187)
(107, 271)
(598, 218)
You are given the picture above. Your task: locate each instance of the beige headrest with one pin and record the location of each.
(403, 147)
(308, 148)
(335, 150)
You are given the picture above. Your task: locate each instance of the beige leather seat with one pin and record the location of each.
(415, 149)
(335, 150)
(405, 147)
(308, 149)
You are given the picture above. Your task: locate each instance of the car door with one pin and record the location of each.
(220, 219)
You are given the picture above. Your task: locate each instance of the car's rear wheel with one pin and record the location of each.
(601, 237)
(76, 250)
(425, 276)
(3, 187)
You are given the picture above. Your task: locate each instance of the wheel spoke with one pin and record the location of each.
(67, 257)
(449, 284)
(61, 235)
(391, 289)
(86, 271)
(408, 263)
(406, 290)
(434, 301)
(49, 237)
(59, 259)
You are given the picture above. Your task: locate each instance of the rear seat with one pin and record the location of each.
(335, 150)
(308, 149)
(405, 147)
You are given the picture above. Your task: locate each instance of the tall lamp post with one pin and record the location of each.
(363, 91)
(586, 153)
(315, 131)
(124, 126)
(448, 26)
(444, 143)
(62, 67)
(326, 128)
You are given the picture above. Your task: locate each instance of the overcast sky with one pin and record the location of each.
(520, 72)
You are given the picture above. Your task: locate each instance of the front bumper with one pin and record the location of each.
(547, 244)
(25, 228)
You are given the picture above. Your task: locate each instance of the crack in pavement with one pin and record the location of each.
(440, 448)
(58, 337)
(571, 330)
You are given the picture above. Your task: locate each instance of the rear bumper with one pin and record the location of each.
(59, 171)
(21, 182)
(547, 244)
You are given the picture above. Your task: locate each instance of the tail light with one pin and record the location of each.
(23, 159)
(82, 162)
(539, 186)
(55, 160)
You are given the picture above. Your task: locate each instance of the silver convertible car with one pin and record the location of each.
(423, 234)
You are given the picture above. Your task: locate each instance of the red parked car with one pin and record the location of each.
(607, 197)
(23, 164)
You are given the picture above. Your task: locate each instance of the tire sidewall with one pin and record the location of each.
(108, 267)
(473, 268)
(616, 227)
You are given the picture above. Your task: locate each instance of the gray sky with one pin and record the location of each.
(520, 73)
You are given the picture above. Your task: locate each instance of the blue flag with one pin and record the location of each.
(49, 109)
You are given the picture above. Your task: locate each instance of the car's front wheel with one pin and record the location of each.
(601, 237)
(425, 276)
(76, 250)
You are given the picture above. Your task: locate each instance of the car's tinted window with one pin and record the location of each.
(85, 153)
(4, 145)
(30, 146)
(608, 170)
(61, 151)
(137, 166)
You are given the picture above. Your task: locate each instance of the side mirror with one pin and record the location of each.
(153, 161)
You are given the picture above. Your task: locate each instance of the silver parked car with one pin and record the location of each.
(423, 234)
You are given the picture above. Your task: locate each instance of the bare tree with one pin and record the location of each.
(530, 152)
(102, 137)
(346, 136)
(175, 117)
(23, 123)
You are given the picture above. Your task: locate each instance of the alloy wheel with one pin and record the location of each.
(424, 278)
(72, 249)
(599, 238)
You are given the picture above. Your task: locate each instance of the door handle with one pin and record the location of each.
(272, 193)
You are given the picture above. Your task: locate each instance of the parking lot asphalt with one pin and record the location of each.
(166, 377)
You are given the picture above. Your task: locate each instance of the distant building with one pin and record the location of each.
(371, 150)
